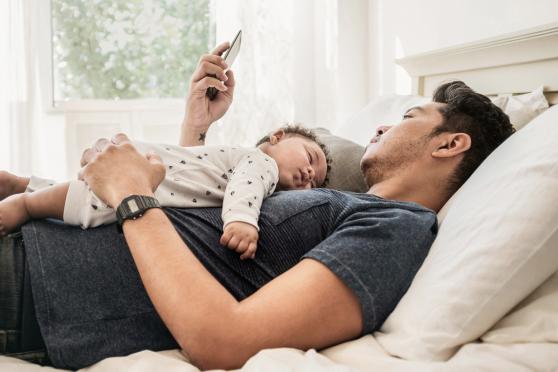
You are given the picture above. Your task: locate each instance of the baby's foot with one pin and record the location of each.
(13, 213)
(11, 184)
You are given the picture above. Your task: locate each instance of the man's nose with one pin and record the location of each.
(382, 129)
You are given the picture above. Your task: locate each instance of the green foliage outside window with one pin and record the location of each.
(124, 49)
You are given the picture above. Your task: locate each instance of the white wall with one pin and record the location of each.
(401, 28)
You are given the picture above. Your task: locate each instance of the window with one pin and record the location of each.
(127, 49)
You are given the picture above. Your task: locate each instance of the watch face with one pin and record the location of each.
(133, 206)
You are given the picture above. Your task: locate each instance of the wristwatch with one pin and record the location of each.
(133, 207)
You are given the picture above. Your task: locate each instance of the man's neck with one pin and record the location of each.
(426, 194)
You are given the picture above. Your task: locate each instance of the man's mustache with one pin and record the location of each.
(375, 139)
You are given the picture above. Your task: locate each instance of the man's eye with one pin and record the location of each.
(407, 116)
(310, 157)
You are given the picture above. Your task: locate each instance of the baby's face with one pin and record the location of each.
(301, 162)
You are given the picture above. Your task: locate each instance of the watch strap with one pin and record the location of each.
(133, 207)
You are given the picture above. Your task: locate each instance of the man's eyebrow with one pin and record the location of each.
(415, 108)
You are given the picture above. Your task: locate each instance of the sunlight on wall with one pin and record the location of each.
(402, 78)
(413, 27)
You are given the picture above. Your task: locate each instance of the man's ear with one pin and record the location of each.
(452, 144)
(277, 136)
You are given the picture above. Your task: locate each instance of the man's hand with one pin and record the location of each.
(241, 237)
(115, 170)
(89, 153)
(200, 111)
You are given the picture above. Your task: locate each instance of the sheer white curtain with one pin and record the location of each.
(16, 86)
(303, 61)
(31, 139)
(264, 83)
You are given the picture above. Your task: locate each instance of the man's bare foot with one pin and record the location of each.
(11, 184)
(13, 213)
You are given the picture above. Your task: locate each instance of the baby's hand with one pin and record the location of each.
(240, 237)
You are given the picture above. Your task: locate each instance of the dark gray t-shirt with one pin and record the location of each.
(375, 246)
(91, 304)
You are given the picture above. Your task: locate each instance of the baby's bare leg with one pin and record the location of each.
(48, 202)
(18, 209)
(11, 184)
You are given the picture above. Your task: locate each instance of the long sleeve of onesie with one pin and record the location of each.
(254, 178)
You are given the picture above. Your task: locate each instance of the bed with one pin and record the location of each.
(494, 265)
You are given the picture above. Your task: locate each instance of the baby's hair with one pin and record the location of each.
(299, 130)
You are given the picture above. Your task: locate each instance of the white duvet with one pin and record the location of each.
(524, 340)
(364, 354)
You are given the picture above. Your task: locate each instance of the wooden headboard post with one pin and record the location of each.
(513, 63)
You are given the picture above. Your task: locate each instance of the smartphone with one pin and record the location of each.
(229, 57)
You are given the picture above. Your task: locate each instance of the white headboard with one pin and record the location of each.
(512, 63)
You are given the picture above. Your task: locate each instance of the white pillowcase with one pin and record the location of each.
(522, 108)
(496, 245)
(534, 320)
(384, 110)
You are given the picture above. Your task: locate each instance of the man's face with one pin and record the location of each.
(395, 148)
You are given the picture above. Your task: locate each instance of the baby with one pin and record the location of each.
(238, 179)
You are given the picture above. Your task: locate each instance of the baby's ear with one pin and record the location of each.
(277, 136)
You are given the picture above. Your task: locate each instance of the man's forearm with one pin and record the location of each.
(190, 136)
(195, 307)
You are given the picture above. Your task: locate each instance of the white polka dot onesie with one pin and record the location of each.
(236, 178)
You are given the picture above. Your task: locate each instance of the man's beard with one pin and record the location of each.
(385, 166)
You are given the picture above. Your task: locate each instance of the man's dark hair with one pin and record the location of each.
(299, 130)
(467, 111)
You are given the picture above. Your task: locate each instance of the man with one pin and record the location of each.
(331, 266)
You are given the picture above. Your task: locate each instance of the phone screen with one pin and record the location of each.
(232, 52)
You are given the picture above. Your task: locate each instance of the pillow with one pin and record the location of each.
(496, 245)
(522, 108)
(384, 110)
(345, 171)
(535, 319)
(388, 110)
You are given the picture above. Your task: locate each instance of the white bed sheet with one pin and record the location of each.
(364, 354)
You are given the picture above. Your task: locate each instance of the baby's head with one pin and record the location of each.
(303, 161)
